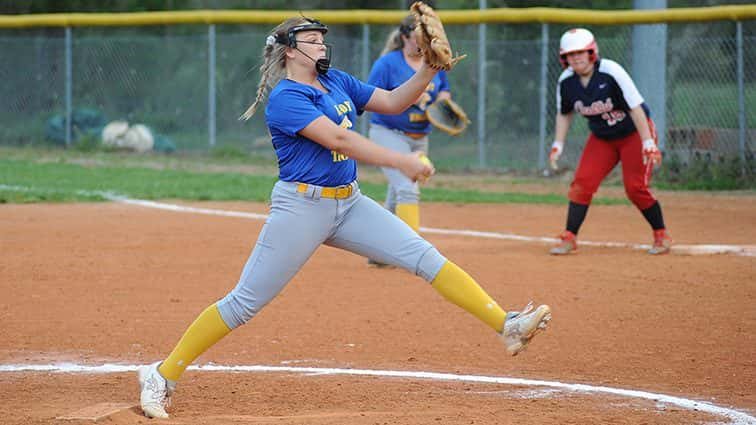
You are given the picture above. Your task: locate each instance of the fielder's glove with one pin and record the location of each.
(431, 38)
(447, 116)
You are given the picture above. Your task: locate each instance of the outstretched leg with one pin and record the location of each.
(158, 380)
(283, 246)
(395, 243)
(516, 328)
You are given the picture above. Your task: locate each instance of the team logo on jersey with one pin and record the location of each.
(338, 157)
(605, 109)
(423, 101)
(596, 108)
(342, 109)
(613, 117)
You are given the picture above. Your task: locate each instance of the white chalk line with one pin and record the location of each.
(736, 417)
(707, 249)
(699, 249)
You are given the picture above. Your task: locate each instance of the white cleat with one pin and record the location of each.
(156, 391)
(519, 329)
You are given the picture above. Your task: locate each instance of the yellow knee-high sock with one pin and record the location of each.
(410, 214)
(459, 288)
(202, 334)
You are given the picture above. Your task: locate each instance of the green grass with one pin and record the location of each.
(76, 182)
(76, 177)
(378, 191)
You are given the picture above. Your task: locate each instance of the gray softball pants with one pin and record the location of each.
(299, 222)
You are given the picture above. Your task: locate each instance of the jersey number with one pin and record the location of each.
(613, 117)
(338, 157)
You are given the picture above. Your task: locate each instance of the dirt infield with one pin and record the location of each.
(103, 283)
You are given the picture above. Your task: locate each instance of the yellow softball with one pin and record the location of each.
(425, 160)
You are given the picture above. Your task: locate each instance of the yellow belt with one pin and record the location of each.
(415, 135)
(340, 192)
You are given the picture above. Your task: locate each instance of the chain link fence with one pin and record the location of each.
(159, 76)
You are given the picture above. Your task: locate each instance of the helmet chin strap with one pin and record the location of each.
(323, 64)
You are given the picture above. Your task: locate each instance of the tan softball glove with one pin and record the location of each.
(431, 38)
(447, 116)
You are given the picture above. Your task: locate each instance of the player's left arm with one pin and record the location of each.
(397, 100)
(634, 101)
(640, 120)
(651, 154)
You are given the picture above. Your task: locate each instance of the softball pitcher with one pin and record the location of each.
(310, 114)
(407, 131)
(621, 130)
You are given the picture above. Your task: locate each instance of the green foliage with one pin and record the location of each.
(89, 143)
(702, 173)
(710, 104)
(22, 131)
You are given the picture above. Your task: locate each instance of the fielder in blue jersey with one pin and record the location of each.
(407, 131)
(311, 113)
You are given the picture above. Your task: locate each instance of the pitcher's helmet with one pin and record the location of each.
(290, 38)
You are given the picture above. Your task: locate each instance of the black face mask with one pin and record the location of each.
(322, 65)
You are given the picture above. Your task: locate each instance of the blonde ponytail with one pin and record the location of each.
(273, 68)
(394, 40)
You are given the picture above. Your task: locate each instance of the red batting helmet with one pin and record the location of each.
(577, 40)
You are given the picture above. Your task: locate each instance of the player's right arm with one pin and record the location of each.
(561, 127)
(563, 119)
(350, 143)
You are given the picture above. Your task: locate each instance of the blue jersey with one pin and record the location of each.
(391, 71)
(293, 106)
(605, 101)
